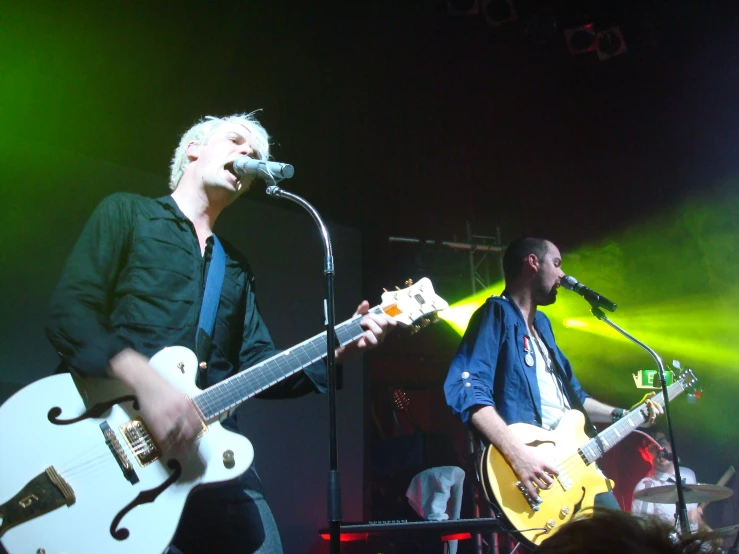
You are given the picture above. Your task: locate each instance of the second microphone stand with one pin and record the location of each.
(682, 511)
(334, 481)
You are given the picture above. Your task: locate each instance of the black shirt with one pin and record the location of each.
(135, 278)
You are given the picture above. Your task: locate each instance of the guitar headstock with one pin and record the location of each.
(688, 380)
(414, 306)
(401, 401)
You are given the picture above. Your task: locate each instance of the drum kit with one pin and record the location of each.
(694, 494)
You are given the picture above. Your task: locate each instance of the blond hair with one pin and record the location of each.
(201, 132)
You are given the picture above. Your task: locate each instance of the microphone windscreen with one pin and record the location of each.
(568, 282)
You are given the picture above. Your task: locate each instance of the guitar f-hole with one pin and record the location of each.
(144, 497)
(95, 411)
(578, 505)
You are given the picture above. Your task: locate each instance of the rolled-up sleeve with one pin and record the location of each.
(469, 382)
(78, 323)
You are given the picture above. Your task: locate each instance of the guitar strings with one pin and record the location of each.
(569, 465)
(571, 461)
(574, 464)
(78, 470)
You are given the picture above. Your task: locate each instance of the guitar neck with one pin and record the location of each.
(227, 395)
(610, 437)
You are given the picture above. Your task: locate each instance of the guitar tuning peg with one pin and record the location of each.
(409, 282)
(383, 288)
(676, 364)
(397, 287)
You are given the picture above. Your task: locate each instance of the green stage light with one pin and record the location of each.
(458, 314)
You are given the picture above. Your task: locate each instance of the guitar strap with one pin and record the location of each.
(211, 298)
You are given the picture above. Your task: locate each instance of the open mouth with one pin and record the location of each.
(230, 168)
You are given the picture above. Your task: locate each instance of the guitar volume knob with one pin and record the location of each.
(228, 459)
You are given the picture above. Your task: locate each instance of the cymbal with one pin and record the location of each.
(694, 494)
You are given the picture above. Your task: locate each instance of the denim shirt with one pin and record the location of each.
(489, 368)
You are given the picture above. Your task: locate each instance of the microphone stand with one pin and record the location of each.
(334, 481)
(682, 511)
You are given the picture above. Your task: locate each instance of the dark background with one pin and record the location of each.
(400, 119)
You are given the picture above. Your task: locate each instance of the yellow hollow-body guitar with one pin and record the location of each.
(579, 479)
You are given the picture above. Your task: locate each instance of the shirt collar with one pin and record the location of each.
(170, 205)
(510, 301)
(661, 476)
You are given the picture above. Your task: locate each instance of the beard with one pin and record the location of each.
(544, 295)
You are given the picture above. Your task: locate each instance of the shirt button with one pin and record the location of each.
(467, 384)
(465, 374)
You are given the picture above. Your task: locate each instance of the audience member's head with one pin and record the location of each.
(603, 531)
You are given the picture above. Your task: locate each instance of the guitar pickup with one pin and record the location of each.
(140, 441)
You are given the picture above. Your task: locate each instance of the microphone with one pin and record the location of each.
(245, 166)
(663, 453)
(595, 299)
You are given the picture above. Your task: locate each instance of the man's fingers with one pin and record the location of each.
(370, 338)
(652, 410)
(542, 482)
(533, 489)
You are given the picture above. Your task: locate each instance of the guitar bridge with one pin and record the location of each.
(534, 504)
(140, 442)
(120, 456)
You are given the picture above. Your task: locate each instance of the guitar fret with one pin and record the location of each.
(229, 393)
(314, 345)
(610, 437)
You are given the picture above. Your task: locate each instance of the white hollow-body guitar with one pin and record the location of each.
(80, 474)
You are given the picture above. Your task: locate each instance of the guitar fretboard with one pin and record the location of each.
(610, 437)
(228, 394)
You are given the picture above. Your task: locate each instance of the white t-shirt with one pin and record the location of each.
(554, 401)
(664, 511)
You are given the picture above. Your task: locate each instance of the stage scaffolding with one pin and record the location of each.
(485, 255)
